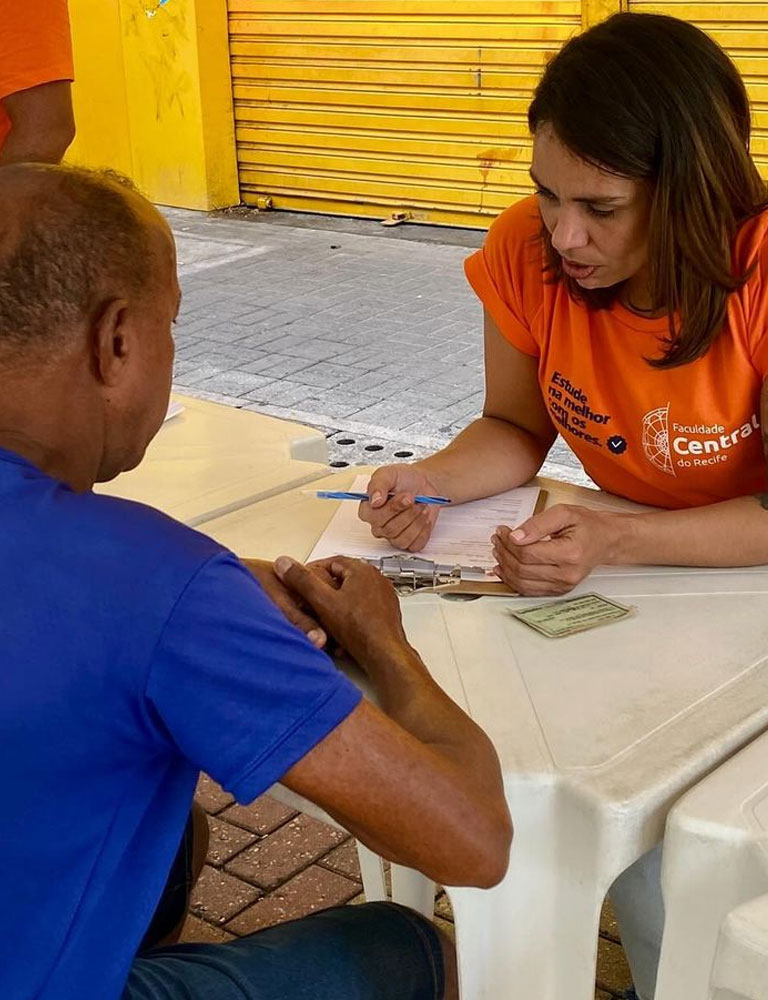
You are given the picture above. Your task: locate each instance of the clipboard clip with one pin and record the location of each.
(410, 574)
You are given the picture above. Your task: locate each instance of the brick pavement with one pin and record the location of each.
(375, 340)
(268, 864)
(374, 337)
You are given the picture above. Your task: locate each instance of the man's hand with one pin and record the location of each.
(551, 552)
(398, 518)
(353, 602)
(289, 603)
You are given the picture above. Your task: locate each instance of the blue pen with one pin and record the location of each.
(346, 495)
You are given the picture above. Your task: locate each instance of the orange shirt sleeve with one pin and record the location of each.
(752, 250)
(35, 44)
(506, 274)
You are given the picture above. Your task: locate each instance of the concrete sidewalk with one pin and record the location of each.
(371, 334)
(374, 336)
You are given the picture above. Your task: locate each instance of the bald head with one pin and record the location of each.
(70, 240)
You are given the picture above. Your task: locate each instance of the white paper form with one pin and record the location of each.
(461, 537)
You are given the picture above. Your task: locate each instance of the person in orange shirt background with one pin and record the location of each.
(36, 119)
(626, 307)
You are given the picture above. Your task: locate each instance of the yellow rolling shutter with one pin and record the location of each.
(742, 30)
(375, 107)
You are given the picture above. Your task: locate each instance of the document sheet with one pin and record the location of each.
(461, 537)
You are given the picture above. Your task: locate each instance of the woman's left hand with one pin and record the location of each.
(553, 551)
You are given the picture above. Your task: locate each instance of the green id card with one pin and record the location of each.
(574, 614)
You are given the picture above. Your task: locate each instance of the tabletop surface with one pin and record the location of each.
(212, 458)
(632, 710)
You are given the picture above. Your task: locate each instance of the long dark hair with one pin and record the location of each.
(653, 98)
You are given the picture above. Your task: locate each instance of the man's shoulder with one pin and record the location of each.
(121, 536)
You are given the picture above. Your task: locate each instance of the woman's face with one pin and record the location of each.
(598, 222)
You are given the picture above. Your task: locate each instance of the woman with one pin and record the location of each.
(626, 306)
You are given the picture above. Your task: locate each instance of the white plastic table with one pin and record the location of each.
(210, 459)
(715, 868)
(598, 733)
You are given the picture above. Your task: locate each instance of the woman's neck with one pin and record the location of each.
(636, 296)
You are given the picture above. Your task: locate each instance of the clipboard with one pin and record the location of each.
(412, 574)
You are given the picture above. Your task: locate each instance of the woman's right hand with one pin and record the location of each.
(392, 512)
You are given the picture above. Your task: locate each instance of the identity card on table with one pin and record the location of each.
(556, 619)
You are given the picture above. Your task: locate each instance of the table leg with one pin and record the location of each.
(535, 935)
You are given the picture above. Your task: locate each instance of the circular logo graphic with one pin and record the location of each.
(617, 445)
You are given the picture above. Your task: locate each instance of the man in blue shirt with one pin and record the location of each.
(137, 652)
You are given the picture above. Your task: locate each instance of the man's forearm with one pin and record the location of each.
(488, 457)
(408, 694)
(732, 533)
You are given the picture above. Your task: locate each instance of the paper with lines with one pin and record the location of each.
(461, 537)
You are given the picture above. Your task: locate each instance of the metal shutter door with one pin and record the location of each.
(375, 107)
(742, 30)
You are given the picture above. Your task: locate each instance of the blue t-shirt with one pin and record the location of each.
(134, 652)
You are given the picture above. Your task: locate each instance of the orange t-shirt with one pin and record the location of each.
(35, 48)
(679, 437)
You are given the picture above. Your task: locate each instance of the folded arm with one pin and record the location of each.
(415, 778)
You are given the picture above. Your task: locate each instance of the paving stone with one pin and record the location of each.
(275, 366)
(344, 860)
(327, 375)
(293, 846)
(284, 393)
(447, 927)
(608, 924)
(211, 795)
(262, 816)
(443, 906)
(332, 410)
(234, 383)
(195, 929)
(201, 373)
(297, 346)
(384, 414)
(313, 889)
(226, 841)
(612, 970)
(217, 896)
(214, 353)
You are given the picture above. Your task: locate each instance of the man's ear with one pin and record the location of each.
(111, 341)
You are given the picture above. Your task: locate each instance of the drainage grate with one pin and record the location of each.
(347, 449)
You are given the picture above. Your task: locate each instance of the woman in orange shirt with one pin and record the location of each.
(626, 306)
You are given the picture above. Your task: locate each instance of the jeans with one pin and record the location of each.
(375, 951)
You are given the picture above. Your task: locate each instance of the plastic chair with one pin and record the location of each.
(741, 961)
(716, 860)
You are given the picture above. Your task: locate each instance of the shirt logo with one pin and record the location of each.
(669, 445)
(617, 445)
(656, 439)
